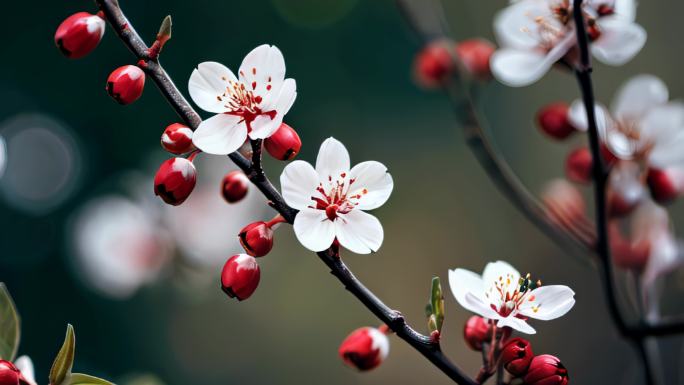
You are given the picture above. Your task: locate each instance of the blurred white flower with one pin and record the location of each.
(502, 294)
(25, 366)
(535, 34)
(253, 105)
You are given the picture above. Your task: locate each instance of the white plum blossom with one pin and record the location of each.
(251, 105)
(331, 199)
(502, 294)
(535, 34)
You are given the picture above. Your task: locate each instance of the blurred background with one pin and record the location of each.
(77, 192)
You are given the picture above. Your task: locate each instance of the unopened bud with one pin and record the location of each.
(9, 374)
(257, 239)
(177, 139)
(546, 370)
(175, 180)
(662, 185)
(626, 254)
(234, 186)
(578, 165)
(476, 332)
(434, 64)
(125, 84)
(475, 55)
(365, 348)
(516, 356)
(79, 34)
(240, 276)
(552, 120)
(284, 144)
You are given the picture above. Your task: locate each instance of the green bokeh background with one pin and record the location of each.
(351, 60)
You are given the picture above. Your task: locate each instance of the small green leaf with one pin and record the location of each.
(437, 303)
(9, 326)
(84, 379)
(165, 29)
(64, 362)
(428, 310)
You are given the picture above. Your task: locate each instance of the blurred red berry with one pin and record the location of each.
(9, 374)
(240, 276)
(365, 348)
(79, 34)
(552, 120)
(578, 165)
(257, 239)
(234, 186)
(434, 64)
(546, 370)
(662, 185)
(175, 180)
(475, 55)
(126, 83)
(516, 356)
(177, 139)
(475, 332)
(284, 144)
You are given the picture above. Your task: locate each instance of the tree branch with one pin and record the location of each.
(423, 344)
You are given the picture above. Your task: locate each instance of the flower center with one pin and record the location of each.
(242, 102)
(337, 198)
(511, 294)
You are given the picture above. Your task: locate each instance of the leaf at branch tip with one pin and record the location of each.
(84, 379)
(9, 325)
(437, 303)
(61, 368)
(165, 29)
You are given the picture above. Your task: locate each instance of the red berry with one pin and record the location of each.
(578, 165)
(177, 139)
(516, 356)
(9, 374)
(475, 54)
(546, 370)
(234, 186)
(240, 276)
(79, 34)
(475, 332)
(434, 64)
(553, 120)
(284, 144)
(257, 239)
(125, 84)
(175, 180)
(365, 348)
(662, 185)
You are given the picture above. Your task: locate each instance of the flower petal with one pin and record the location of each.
(517, 324)
(208, 84)
(359, 232)
(332, 160)
(313, 229)
(478, 306)
(619, 144)
(298, 182)
(637, 96)
(495, 271)
(625, 180)
(462, 282)
(371, 176)
(625, 10)
(548, 302)
(263, 71)
(25, 366)
(516, 68)
(263, 126)
(619, 42)
(220, 134)
(515, 25)
(664, 126)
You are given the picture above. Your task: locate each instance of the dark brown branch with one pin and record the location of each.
(423, 344)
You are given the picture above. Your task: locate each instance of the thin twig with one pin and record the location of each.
(392, 318)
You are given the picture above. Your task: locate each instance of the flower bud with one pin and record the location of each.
(125, 84)
(284, 144)
(257, 239)
(475, 54)
(434, 64)
(516, 356)
(662, 185)
(578, 165)
(626, 254)
(79, 34)
(175, 180)
(240, 276)
(234, 186)
(546, 370)
(365, 348)
(552, 120)
(476, 331)
(9, 374)
(177, 139)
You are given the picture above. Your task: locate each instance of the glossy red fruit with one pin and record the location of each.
(552, 120)
(79, 34)
(662, 185)
(516, 356)
(475, 332)
(175, 180)
(365, 348)
(177, 139)
(284, 144)
(125, 84)
(9, 374)
(257, 239)
(234, 186)
(240, 276)
(475, 55)
(546, 370)
(578, 165)
(434, 64)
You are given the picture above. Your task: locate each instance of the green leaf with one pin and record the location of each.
(9, 326)
(64, 362)
(437, 303)
(84, 379)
